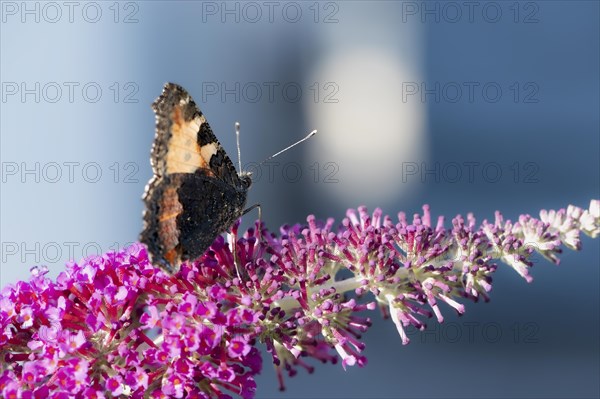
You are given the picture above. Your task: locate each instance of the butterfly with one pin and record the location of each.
(195, 193)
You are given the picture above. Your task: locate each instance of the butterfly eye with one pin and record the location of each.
(246, 180)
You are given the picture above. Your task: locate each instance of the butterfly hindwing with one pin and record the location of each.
(206, 216)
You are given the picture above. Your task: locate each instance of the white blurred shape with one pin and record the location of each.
(370, 131)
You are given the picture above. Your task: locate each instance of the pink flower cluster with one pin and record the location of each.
(116, 326)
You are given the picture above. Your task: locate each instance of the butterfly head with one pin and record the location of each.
(246, 179)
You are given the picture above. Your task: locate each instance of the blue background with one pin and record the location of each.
(543, 55)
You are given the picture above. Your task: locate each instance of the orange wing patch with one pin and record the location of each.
(184, 155)
(170, 208)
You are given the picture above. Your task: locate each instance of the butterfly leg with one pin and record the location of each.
(247, 210)
(251, 208)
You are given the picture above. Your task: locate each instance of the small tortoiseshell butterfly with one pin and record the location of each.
(196, 193)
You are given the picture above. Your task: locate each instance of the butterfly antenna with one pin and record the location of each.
(287, 148)
(237, 137)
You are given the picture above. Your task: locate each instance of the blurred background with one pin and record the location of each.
(466, 106)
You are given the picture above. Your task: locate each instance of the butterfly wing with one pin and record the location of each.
(184, 141)
(195, 193)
